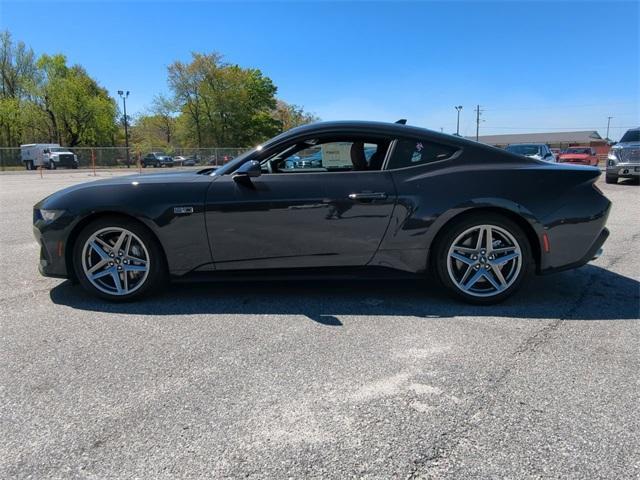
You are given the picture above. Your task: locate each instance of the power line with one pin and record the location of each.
(558, 128)
(552, 107)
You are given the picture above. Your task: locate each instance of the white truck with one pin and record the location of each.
(47, 155)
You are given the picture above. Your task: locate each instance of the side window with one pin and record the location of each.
(408, 153)
(330, 156)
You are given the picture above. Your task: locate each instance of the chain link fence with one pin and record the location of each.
(116, 157)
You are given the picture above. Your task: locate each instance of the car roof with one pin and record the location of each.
(384, 128)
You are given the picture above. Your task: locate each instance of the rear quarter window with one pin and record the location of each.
(408, 153)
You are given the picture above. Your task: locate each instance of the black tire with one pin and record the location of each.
(440, 254)
(611, 179)
(52, 165)
(28, 164)
(144, 165)
(157, 165)
(157, 276)
(74, 166)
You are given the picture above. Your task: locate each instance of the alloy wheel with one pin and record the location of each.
(115, 261)
(484, 260)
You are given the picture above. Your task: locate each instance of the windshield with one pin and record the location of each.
(524, 149)
(579, 150)
(233, 164)
(631, 136)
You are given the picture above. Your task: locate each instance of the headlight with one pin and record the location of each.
(50, 215)
(612, 155)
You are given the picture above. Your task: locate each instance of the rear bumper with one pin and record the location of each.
(576, 231)
(594, 252)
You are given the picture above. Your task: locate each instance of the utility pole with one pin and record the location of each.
(608, 123)
(478, 113)
(124, 96)
(458, 108)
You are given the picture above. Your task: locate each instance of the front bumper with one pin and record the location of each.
(624, 170)
(52, 240)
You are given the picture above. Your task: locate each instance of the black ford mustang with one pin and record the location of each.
(341, 194)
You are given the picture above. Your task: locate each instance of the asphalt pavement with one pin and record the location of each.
(318, 379)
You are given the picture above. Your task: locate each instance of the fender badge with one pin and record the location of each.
(182, 210)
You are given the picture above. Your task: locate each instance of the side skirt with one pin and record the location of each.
(326, 273)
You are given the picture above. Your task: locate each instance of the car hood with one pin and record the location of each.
(626, 145)
(125, 180)
(576, 156)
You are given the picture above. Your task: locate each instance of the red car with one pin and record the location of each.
(579, 155)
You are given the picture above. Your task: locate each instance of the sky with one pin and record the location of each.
(531, 66)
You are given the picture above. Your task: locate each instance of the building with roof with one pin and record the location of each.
(585, 138)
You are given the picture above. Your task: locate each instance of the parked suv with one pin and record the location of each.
(539, 151)
(623, 160)
(157, 160)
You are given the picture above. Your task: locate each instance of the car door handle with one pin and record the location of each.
(365, 196)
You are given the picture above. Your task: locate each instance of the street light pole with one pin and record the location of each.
(458, 108)
(608, 123)
(124, 96)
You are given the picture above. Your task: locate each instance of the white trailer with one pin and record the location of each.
(47, 155)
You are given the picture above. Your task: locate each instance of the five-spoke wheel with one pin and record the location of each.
(483, 259)
(115, 261)
(118, 259)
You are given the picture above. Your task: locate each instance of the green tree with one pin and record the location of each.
(290, 116)
(17, 74)
(79, 111)
(226, 105)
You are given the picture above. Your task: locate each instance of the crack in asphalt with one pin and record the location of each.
(451, 438)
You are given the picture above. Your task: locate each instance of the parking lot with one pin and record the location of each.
(319, 379)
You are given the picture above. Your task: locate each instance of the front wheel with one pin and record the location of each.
(483, 259)
(52, 165)
(118, 259)
(611, 178)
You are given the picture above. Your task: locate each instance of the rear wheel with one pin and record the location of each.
(118, 259)
(28, 164)
(483, 259)
(611, 178)
(52, 165)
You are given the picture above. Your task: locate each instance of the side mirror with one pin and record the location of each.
(247, 171)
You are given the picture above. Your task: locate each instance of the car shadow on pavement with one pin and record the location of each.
(588, 293)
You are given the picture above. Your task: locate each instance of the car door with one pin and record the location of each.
(306, 217)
